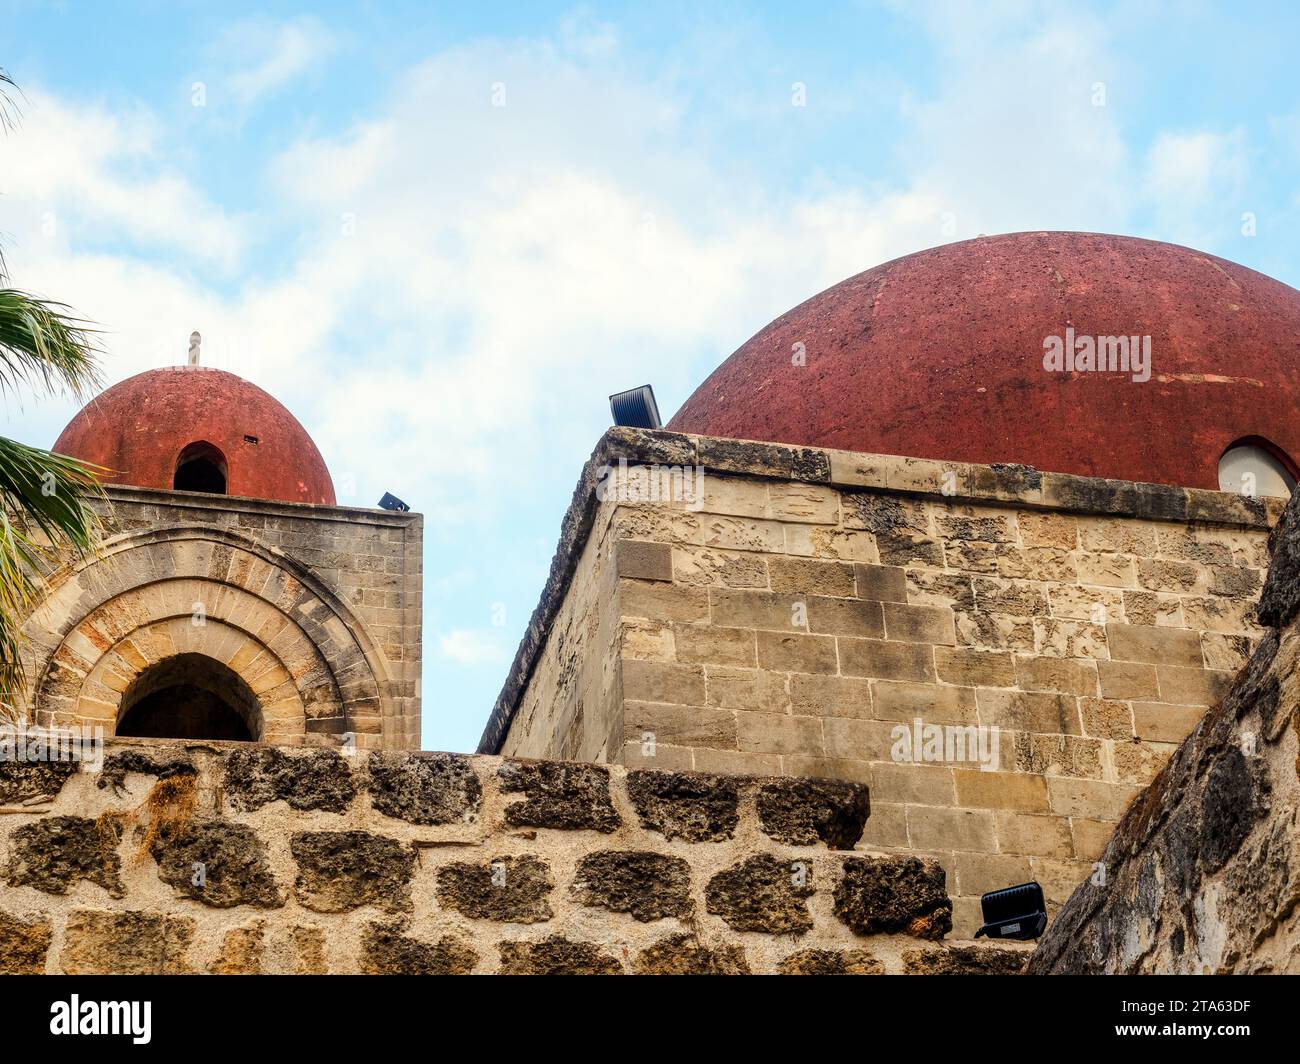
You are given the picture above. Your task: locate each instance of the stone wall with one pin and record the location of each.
(316, 608)
(235, 858)
(809, 604)
(1203, 873)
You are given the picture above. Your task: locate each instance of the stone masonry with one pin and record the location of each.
(1203, 872)
(235, 858)
(317, 609)
(809, 606)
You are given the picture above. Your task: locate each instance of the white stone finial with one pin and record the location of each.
(195, 340)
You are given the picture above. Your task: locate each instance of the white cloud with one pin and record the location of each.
(84, 175)
(474, 646)
(1188, 169)
(278, 53)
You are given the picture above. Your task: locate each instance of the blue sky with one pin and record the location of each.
(443, 234)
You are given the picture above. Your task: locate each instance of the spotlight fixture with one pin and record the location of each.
(636, 408)
(1014, 912)
(392, 502)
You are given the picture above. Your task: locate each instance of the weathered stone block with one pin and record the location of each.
(919, 624)
(649, 886)
(425, 788)
(53, 854)
(829, 696)
(217, 862)
(974, 668)
(887, 660)
(556, 955)
(763, 893)
(802, 812)
(881, 583)
(385, 950)
(1000, 790)
(964, 960)
(830, 962)
(558, 795)
(644, 560)
(24, 944)
(692, 806)
(684, 955)
(20, 780)
(805, 576)
(343, 870)
(126, 943)
(507, 889)
(785, 652)
(894, 895)
(1157, 646)
(316, 779)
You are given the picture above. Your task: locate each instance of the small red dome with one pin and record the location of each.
(941, 355)
(152, 425)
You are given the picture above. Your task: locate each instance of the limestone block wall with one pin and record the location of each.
(231, 858)
(1203, 872)
(316, 608)
(808, 605)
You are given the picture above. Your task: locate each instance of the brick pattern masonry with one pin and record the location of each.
(810, 603)
(232, 858)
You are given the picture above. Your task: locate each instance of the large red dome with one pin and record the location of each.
(941, 355)
(145, 427)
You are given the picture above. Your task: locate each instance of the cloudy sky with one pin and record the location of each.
(442, 234)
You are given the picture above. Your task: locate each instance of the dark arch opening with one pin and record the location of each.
(189, 696)
(201, 467)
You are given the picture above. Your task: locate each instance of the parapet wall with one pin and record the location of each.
(805, 610)
(235, 858)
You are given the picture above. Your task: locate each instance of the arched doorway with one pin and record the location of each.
(201, 467)
(189, 696)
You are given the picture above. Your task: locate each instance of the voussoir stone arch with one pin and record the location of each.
(215, 592)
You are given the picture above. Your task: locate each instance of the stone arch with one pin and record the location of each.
(316, 670)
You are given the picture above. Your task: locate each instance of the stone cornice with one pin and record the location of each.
(192, 500)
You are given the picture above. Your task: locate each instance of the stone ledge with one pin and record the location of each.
(193, 500)
(954, 482)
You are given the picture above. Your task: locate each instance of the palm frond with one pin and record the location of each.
(8, 109)
(42, 344)
(45, 504)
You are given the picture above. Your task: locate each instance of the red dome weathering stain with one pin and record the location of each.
(940, 355)
(139, 427)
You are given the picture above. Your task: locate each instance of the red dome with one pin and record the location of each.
(142, 427)
(941, 355)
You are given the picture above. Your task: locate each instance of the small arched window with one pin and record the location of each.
(201, 467)
(1255, 466)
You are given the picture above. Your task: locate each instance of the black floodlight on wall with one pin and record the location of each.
(392, 502)
(1015, 913)
(636, 408)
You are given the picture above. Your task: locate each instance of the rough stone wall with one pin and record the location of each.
(1203, 873)
(316, 608)
(813, 601)
(237, 858)
(572, 709)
